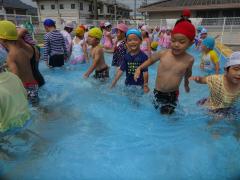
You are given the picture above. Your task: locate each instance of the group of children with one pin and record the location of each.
(129, 55)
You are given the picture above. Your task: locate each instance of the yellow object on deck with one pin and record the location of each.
(223, 49)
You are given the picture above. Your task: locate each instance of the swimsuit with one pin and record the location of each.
(32, 91)
(165, 101)
(102, 74)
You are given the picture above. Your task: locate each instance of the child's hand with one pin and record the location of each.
(194, 78)
(146, 89)
(85, 76)
(137, 74)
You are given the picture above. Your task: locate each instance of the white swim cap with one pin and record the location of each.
(233, 60)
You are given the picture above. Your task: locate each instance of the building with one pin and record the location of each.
(81, 11)
(16, 7)
(199, 8)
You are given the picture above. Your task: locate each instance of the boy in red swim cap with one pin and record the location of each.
(175, 64)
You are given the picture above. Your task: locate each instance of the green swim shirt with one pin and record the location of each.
(14, 111)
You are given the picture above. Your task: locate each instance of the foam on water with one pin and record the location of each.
(84, 130)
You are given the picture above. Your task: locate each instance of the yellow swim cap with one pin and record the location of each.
(154, 45)
(8, 30)
(79, 31)
(95, 32)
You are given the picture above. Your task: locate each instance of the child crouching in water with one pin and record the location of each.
(175, 64)
(132, 60)
(224, 89)
(99, 65)
(79, 47)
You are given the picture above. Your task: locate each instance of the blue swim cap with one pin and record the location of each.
(134, 31)
(49, 22)
(209, 42)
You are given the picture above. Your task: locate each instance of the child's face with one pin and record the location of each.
(108, 28)
(204, 49)
(120, 34)
(133, 43)
(92, 40)
(233, 74)
(203, 36)
(179, 43)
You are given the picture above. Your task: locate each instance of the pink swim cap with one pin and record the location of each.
(122, 27)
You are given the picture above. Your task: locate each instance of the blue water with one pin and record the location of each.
(84, 130)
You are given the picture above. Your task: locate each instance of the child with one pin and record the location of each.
(146, 43)
(68, 28)
(167, 39)
(108, 43)
(175, 64)
(55, 51)
(209, 61)
(133, 59)
(19, 58)
(99, 65)
(14, 111)
(120, 47)
(79, 48)
(224, 89)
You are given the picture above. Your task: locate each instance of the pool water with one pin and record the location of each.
(84, 130)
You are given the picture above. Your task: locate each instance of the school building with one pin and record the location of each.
(167, 9)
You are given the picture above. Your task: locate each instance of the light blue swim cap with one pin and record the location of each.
(134, 31)
(199, 28)
(209, 42)
(204, 31)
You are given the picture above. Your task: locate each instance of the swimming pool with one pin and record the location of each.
(84, 130)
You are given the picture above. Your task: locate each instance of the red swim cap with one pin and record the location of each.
(186, 28)
(186, 12)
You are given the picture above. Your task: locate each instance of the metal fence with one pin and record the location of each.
(227, 28)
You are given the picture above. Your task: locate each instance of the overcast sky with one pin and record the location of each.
(29, 2)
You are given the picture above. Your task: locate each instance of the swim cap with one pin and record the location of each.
(199, 28)
(186, 28)
(209, 42)
(69, 25)
(204, 31)
(122, 27)
(49, 22)
(8, 30)
(233, 60)
(83, 27)
(79, 31)
(145, 28)
(186, 12)
(95, 32)
(154, 45)
(106, 24)
(134, 31)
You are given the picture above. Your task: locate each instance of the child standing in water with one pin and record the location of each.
(209, 61)
(79, 47)
(175, 64)
(146, 42)
(14, 111)
(108, 43)
(120, 48)
(224, 89)
(133, 59)
(55, 51)
(19, 59)
(99, 65)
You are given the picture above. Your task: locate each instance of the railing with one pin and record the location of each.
(228, 28)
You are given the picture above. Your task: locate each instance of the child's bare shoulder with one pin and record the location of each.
(189, 58)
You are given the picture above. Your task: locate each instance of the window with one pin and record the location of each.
(52, 6)
(72, 6)
(42, 7)
(90, 8)
(61, 6)
(81, 6)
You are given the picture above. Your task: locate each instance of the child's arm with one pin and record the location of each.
(84, 46)
(215, 61)
(188, 74)
(21, 32)
(12, 66)
(147, 63)
(117, 77)
(199, 79)
(97, 56)
(145, 85)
